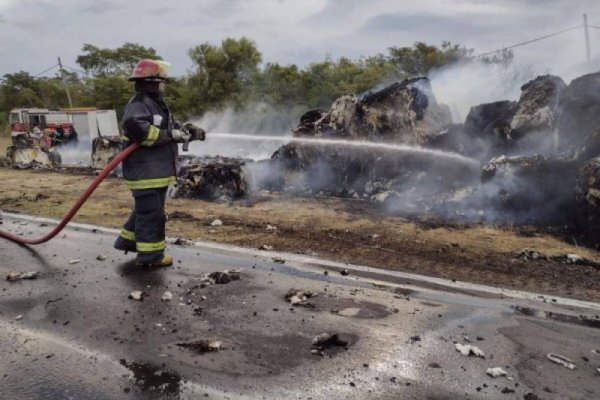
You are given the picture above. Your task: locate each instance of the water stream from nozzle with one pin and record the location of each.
(351, 143)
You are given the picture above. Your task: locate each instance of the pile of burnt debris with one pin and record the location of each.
(211, 178)
(29, 156)
(526, 161)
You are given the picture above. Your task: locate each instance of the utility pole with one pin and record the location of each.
(587, 37)
(65, 83)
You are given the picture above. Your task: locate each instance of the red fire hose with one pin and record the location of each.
(112, 165)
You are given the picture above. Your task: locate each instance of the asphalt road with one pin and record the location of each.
(73, 333)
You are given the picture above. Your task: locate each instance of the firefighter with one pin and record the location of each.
(151, 169)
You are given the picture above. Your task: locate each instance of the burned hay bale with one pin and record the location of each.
(539, 188)
(404, 112)
(587, 196)
(454, 138)
(579, 127)
(334, 169)
(311, 123)
(104, 149)
(33, 157)
(491, 119)
(212, 178)
(538, 109)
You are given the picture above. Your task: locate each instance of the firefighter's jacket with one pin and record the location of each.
(147, 120)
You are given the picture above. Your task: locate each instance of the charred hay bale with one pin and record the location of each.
(212, 178)
(342, 169)
(404, 112)
(310, 123)
(454, 138)
(104, 149)
(579, 127)
(417, 89)
(265, 175)
(489, 123)
(538, 108)
(491, 119)
(587, 195)
(533, 188)
(33, 157)
(345, 117)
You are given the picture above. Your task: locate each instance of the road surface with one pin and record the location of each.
(73, 333)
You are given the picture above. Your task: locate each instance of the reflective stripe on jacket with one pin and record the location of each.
(146, 120)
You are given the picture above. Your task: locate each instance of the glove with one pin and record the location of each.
(179, 136)
(196, 133)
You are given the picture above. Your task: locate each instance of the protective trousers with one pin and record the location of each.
(144, 231)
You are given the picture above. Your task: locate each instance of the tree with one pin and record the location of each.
(111, 92)
(104, 62)
(223, 72)
(421, 58)
(179, 96)
(327, 80)
(502, 57)
(279, 85)
(20, 89)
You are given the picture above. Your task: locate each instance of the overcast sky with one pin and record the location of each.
(34, 32)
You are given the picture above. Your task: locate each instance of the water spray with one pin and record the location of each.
(352, 143)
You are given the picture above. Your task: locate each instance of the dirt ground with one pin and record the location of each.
(331, 228)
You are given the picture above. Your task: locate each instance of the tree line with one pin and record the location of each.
(231, 74)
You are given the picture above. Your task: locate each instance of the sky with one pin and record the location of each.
(35, 32)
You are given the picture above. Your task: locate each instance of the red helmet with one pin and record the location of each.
(153, 70)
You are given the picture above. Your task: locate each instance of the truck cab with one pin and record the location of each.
(23, 120)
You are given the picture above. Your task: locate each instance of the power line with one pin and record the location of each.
(74, 69)
(593, 26)
(532, 40)
(46, 70)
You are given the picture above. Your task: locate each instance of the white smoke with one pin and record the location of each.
(464, 85)
(258, 119)
(76, 155)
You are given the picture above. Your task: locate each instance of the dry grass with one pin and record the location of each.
(5, 141)
(331, 228)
